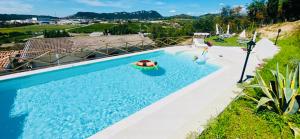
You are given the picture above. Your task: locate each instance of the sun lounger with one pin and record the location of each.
(197, 42)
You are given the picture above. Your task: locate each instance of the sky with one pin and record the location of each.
(63, 8)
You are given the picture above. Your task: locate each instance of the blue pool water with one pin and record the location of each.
(80, 101)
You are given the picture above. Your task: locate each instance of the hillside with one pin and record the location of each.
(182, 16)
(271, 31)
(118, 15)
(5, 17)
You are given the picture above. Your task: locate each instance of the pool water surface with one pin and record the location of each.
(80, 101)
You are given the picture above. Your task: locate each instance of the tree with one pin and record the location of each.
(282, 7)
(236, 11)
(121, 30)
(226, 13)
(56, 34)
(272, 10)
(157, 31)
(292, 10)
(205, 24)
(257, 11)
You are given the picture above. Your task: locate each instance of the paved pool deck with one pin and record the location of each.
(190, 108)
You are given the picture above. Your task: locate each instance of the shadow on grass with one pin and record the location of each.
(10, 127)
(220, 40)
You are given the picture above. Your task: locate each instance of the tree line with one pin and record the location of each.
(272, 11)
(257, 13)
(248, 17)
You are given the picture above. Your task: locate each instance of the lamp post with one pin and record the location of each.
(279, 30)
(250, 46)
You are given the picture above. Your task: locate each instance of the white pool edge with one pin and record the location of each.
(60, 67)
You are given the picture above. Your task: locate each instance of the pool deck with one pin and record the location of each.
(190, 108)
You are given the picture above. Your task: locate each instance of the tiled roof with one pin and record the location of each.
(4, 58)
(37, 47)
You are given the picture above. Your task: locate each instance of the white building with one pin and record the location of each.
(67, 21)
(96, 34)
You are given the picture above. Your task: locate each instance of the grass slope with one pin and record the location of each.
(242, 120)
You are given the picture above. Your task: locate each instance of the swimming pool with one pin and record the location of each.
(77, 102)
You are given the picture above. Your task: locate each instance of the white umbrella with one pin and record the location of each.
(57, 57)
(217, 30)
(243, 34)
(227, 29)
(254, 36)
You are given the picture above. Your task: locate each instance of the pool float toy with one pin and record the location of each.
(145, 65)
(202, 58)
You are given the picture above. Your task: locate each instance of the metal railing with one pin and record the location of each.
(48, 58)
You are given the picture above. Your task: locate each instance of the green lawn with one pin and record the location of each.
(35, 28)
(232, 41)
(242, 120)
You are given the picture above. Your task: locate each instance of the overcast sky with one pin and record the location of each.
(68, 7)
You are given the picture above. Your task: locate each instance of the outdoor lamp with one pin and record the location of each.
(279, 30)
(250, 46)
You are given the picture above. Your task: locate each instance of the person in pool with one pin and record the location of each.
(146, 63)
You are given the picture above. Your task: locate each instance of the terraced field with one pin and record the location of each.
(36, 28)
(100, 27)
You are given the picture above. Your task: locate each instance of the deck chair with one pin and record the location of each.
(199, 42)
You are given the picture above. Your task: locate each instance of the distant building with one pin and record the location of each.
(104, 22)
(144, 34)
(44, 21)
(157, 21)
(34, 19)
(68, 21)
(15, 21)
(96, 34)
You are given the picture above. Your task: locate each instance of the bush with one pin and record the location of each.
(121, 30)
(55, 34)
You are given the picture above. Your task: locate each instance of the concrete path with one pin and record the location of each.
(190, 108)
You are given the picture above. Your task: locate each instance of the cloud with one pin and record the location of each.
(159, 3)
(14, 7)
(98, 3)
(221, 4)
(91, 2)
(189, 13)
(172, 11)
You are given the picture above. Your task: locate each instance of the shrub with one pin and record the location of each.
(281, 94)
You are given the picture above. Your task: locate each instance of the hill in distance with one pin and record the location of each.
(182, 16)
(141, 15)
(5, 17)
(118, 15)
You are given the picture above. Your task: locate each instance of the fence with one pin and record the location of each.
(16, 62)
